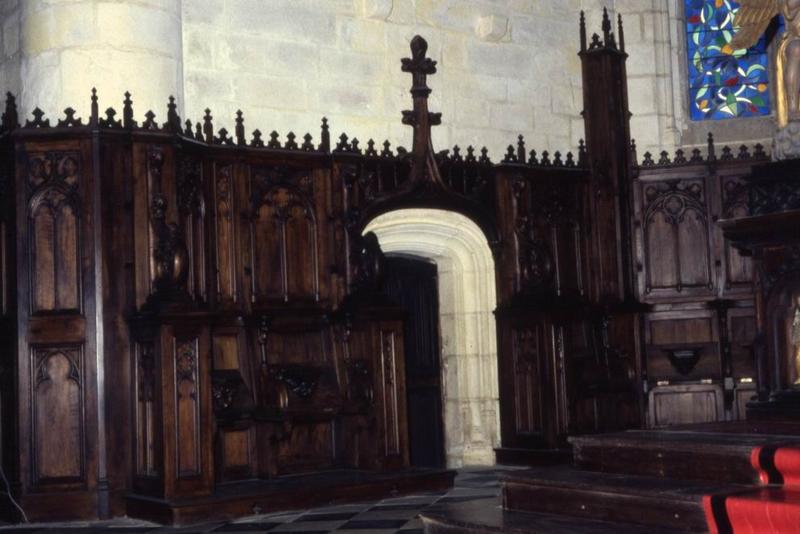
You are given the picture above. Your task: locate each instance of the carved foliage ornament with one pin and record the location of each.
(170, 253)
(536, 265)
(186, 362)
(771, 196)
(302, 381)
(190, 187)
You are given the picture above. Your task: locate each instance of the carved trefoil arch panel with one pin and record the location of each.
(283, 235)
(57, 431)
(676, 237)
(55, 234)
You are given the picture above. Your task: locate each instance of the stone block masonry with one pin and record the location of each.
(506, 67)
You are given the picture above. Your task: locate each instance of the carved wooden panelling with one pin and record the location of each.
(672, 405)
(54, 229)
(669, 331)
(742, 338)
(192, 209)
(528, 353)
(677, 255)
(226, 351)
(235, 452)
(283, 236)
(306, 448)
(548, 236)
(146, 418)
(300, 347)
(225, 233)
(390, 389)
(187, 405)
(58, 434)
(738, 268)
(4, 271)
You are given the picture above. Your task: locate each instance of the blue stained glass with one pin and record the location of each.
(723, 83)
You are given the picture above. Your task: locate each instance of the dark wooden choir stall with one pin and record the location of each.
(696, 272)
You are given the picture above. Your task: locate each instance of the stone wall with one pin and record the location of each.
(505, 66)
(65, 47)
(10, 46)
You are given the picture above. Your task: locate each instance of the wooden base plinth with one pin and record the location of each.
(636, 499)
(287, 493)
(712, 456)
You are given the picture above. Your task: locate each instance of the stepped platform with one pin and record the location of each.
(482, 518)
(682, 454)
(696, 478)
(644, 500)
(288, 493)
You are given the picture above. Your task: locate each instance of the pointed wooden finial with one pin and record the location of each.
(208, 127)
(240, 138)
(606, 27)
(127, 112)
(325, 136)
(95, 111)
(10, 119)
(712, 152)
(173, 123)
(521, 149)
(583, 31)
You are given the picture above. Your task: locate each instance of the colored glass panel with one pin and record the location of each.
(723, 83)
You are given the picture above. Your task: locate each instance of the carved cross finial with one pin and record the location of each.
(420, 66)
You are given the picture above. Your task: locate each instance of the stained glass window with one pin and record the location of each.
(723, 83)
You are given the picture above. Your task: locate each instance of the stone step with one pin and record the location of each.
(588, 495)
(484, 518)
(720, 457)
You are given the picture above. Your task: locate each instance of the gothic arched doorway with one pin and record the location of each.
(468, 339)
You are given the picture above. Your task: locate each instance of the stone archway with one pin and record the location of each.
(468, 334)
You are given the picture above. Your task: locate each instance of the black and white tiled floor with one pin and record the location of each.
(389, 516)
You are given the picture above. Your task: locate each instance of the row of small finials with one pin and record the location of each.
(696, 156)
(204, 132)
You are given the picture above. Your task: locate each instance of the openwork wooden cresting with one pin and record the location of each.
(190, 314)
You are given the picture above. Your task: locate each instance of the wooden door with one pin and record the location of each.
(412, 283)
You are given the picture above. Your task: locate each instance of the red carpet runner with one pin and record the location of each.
(767, 509)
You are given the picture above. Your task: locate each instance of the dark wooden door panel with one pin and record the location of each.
(412, 283)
